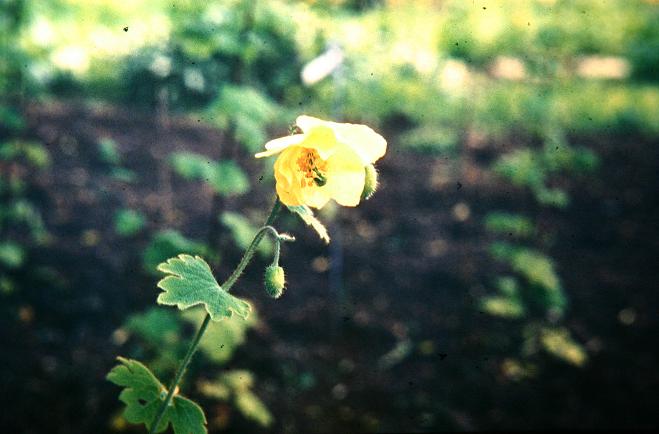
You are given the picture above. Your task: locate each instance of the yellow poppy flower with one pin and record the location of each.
(327, 161)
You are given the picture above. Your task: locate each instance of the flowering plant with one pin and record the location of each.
(324, 161)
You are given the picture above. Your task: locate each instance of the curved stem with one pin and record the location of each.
(247, 256)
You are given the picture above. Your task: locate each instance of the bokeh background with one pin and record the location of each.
(503, 276)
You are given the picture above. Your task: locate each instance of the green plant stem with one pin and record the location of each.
(247, 256)
(179, 374)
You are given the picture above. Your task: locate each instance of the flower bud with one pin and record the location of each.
(370, 183)
(275, 280)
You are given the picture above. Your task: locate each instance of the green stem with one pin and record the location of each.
(247, 256)
(179, 374)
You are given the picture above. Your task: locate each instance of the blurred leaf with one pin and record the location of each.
(190, 165)
(191, 282)
(107, 150)
(248, 110)
(7, 285)
(522, 168)
(34, 153)
(506, 307)
(507, 223)
(396, 355)
(166, 244)
(508, 286)
(431, 139)
(10, 118)
(12, 255)
(237, 385)
(23, 211)
(226, 177)
(221, 338)
(243, 231)
(37, 155)
(159, 333)
(159, 327)
(538, 269)
(557, 341)
(307, 216)
(128, 222)
(552, 197)
(124, 175)
(143, 394)
(558, 155)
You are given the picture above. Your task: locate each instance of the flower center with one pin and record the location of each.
(313, 167)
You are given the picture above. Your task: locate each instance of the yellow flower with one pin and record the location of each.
(327, 161)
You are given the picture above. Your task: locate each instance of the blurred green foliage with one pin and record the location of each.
(157, 336)
(107, 150)
(128, 222)
(511, 224)
(225, 177)
(242, 230)
(167, 244)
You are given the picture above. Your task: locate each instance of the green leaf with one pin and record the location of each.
(191, 283)
(307, 216)
(128, 222)
(143, 394)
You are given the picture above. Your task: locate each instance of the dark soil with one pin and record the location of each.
(411, 271)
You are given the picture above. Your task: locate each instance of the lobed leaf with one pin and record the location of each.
(191, 283)
(143, 395)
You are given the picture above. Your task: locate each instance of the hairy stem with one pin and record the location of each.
(247, 256)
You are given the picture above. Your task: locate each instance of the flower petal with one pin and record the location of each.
(369, 145)
(288, 184)
(322, 139)
(345, 177)
(277, 145)
(314, 196)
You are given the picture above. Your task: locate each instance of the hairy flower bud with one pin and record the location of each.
(275, 280)
(371, 182)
